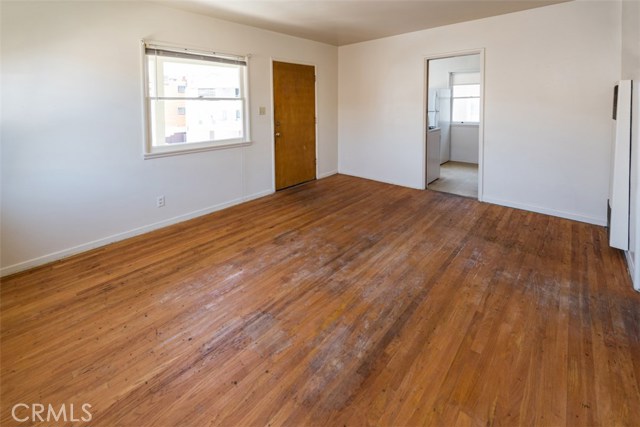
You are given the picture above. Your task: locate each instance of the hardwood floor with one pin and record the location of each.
(339, 302)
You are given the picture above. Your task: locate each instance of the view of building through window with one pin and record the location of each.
(195, 100)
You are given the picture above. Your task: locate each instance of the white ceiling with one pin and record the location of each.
(344, 22)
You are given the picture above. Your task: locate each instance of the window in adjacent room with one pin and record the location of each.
(195, 100)
(465, 97)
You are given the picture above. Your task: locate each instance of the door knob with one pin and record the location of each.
(277, 133)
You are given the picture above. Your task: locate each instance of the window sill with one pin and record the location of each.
(465, 124)
(181, 151)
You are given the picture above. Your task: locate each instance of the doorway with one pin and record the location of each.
(454, 124)
(294, 115)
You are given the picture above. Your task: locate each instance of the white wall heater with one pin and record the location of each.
(620, 180)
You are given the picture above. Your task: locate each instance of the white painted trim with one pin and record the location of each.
(515, 205)
(317, 113)
(553, 212)
(146, 118)
(55, 256)
(632, 270)
(151, 152)
(425, 123)
(195, 149)
(273, 128)
(635, 278)
(635, 152)
(377, 179)
(481, 130)
(327, 174)
(428, 57)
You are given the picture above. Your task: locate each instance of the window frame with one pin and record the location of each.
(453, 98)
(151, 151)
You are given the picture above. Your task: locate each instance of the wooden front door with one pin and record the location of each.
(294, 113)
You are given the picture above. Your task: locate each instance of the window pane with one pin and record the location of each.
(151, 69)
(465, 110)
(190, 121)
(466, 90)
(199, 79)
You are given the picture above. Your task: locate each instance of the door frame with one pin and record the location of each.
(425, 94)
(272, 115)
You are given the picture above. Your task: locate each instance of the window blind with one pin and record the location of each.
(189, 54)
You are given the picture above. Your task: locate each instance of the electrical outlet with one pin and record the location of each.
(160, 201)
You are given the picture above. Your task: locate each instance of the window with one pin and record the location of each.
(195, 100)
(465, 97)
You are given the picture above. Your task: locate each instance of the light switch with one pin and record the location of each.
(262, 111)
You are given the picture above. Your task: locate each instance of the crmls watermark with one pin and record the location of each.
(38, 412)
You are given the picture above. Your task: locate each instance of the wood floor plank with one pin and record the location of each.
(338, 302)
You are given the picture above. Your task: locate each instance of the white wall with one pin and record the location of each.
(548, 79)
(464, 143)
(631, 70)
(73, 176)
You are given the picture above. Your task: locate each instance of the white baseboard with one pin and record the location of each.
(326, 174)
(349, 173)
(546, 211)
(55, 256)
(516, 205)
(631, 265)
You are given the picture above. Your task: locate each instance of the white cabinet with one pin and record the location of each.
(433, 155)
